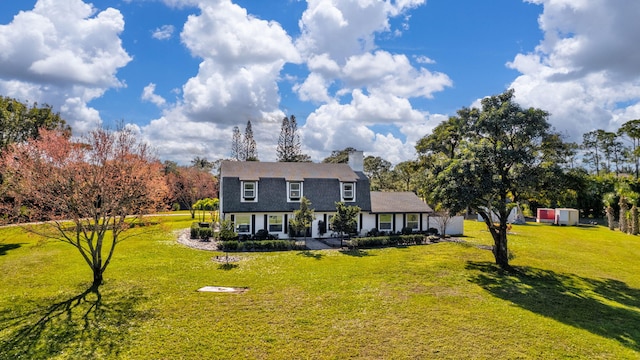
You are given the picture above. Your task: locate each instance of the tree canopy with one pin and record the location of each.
(303, 217)
(339, 156)
(499, 159)
(20, 122)
(345, 220)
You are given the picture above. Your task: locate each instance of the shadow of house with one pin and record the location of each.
(606, 307)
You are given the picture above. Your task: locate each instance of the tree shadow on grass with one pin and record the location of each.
(355, 252)
(604, 307)
(84, 326)
(310, 254)
(4, 248)
(227, 266)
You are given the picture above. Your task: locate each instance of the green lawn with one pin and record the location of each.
(576, 294)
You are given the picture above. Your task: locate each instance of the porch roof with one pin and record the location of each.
(397, 202)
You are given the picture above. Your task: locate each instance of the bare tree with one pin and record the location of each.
(91, 192)
(236, 145)
(442, 219)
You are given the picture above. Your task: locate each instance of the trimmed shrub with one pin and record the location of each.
(391, 240)
(206, 233)
(195, 230)
(263, 234)
(260, 245)
(373, 232)
(407, 231)
(229, 245)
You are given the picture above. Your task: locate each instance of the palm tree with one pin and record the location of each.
(624, 192)
(634, 198)
(608, 200)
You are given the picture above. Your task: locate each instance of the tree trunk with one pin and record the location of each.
(499, 234)
(500, 249)
(610, 218)
(97, 277)
(634, 220)
(623, 216)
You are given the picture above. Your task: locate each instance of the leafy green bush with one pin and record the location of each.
(226, 231)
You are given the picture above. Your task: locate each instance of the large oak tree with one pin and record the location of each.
(502, 157)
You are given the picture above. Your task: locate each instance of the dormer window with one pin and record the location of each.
(348, 191)
(295, 191)
(250, 191)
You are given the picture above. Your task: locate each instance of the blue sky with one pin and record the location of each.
(370, 74)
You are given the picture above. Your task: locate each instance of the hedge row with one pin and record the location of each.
(391, 240)
(261, 245)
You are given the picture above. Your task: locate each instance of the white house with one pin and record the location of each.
(264, 195)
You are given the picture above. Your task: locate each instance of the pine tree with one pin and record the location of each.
(289, 148)
(250, 152)
(236, 145)
(284, 141)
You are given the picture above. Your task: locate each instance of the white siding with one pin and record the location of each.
(455, 224)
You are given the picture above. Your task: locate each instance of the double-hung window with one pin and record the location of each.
(385, 222)
(348, 191)
(295, 191)
(413, 221)
(250, 191)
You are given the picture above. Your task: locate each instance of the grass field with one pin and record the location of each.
(575, 294)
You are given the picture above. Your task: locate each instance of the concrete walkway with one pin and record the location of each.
(313, 244)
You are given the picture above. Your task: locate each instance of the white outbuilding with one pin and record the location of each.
(568, 217)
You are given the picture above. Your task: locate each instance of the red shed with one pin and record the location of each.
(546, 216)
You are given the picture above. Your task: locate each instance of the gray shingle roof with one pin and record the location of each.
(254, 170)
(397, 202)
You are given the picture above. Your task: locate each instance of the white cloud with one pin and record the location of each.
(586, 70)
(392, 74)
(314, 88)
(237, 81)
(338, 44)
(148, 94)
(66, 54)
(335, 126)
(424, 60)
(164, 32)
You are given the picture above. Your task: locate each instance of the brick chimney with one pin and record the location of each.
(356, 160)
